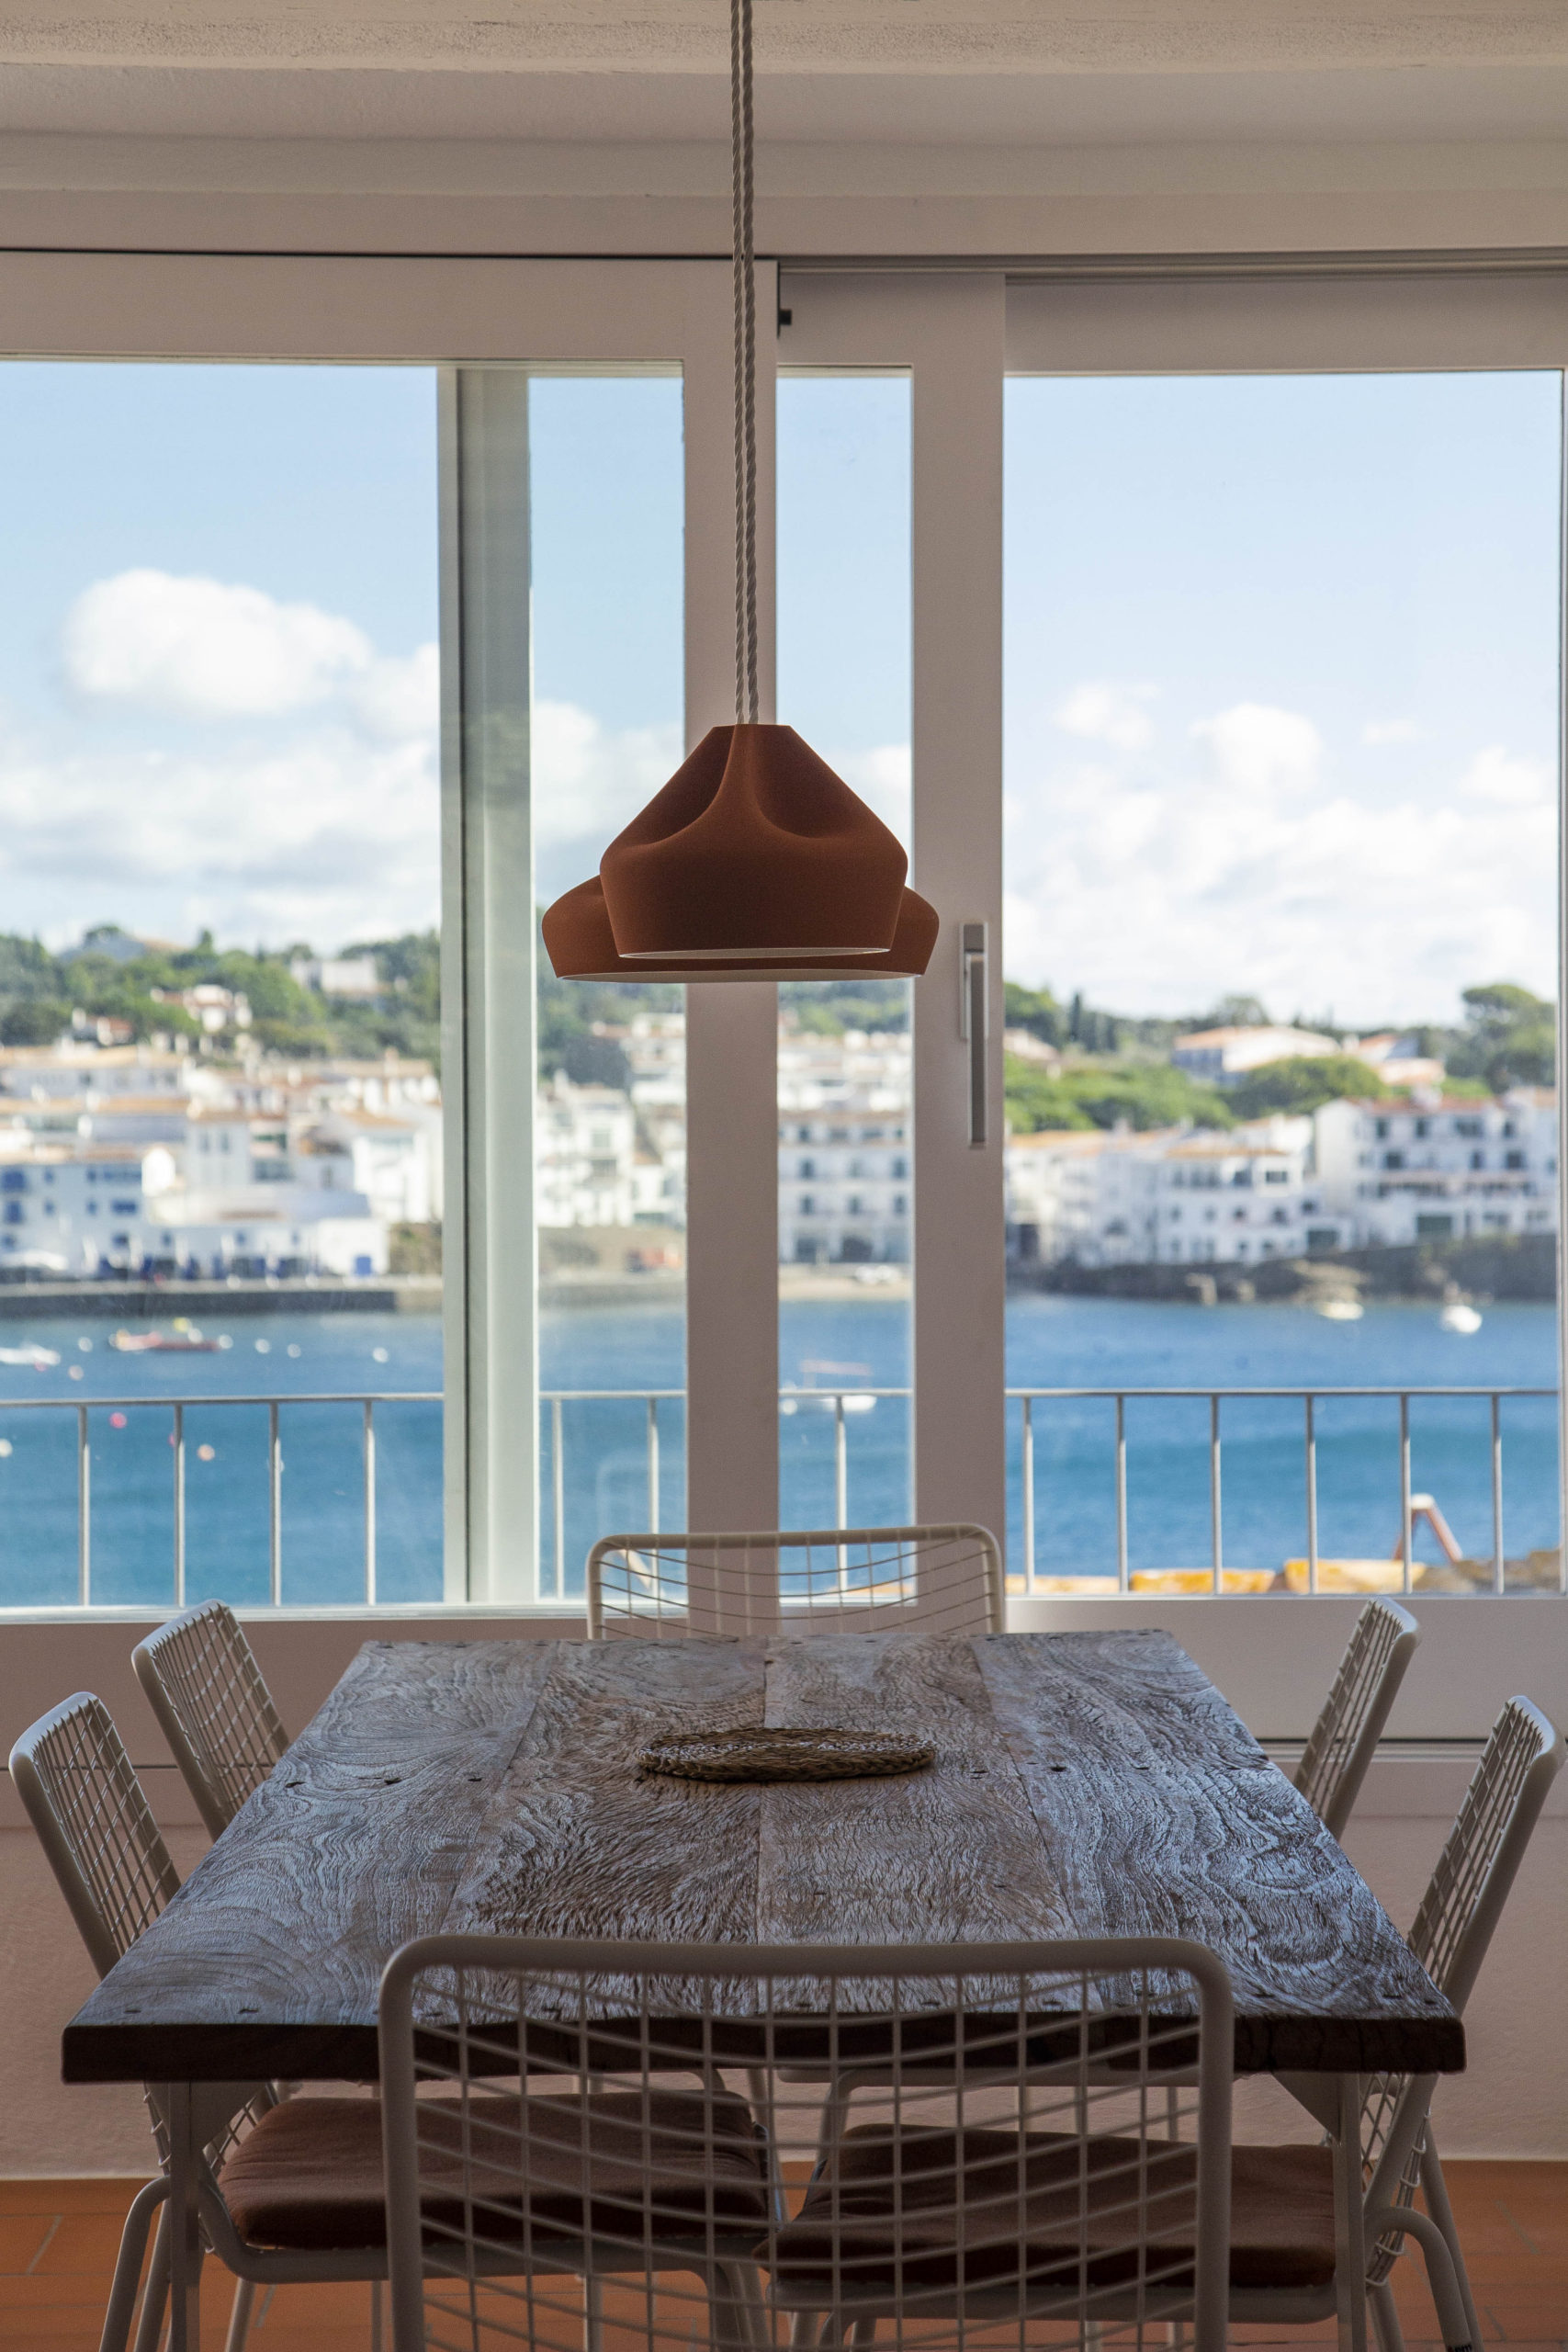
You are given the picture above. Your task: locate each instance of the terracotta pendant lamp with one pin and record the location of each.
(755, 861)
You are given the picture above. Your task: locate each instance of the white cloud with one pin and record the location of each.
(1391, 730)
(200, 648)
(1260, 866)
(1258, 749)
(1109, 713)
(1494, 775)
(882, 777)
(397, 698)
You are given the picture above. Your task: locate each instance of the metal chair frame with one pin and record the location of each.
(1114, 2025)
(203, 1684)
(846, 1579)
(1453, 1927)
(1345, 1738)
(82, 1794)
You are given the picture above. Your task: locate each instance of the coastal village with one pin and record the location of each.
(205, 1152)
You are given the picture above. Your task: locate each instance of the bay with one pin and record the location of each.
(604, 1484)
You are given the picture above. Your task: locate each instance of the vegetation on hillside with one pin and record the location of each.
(39, 993)
(1098, 1094)
(1301, 1083)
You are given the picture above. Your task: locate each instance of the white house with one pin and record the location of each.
(845, 1161)
(1440, 1168)
(1222, 1057)
(1241, 1197)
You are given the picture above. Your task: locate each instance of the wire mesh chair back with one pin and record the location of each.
(213, 1707)
(1344, 1736)
(517, 2201)
(842, 1579)
(84, 1799)
(1523, 1754)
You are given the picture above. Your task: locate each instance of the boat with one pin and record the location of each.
(1457, 1317)
(186, 1342)
(36, 1359)
(1341, 1310)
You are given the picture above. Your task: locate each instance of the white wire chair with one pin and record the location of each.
(1453, 1927)
(213, 1707)
(1345, 1738)
(937, 2217)
(836, 1580)
(82, 1794)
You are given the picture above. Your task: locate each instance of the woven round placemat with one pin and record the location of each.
(766, 1755)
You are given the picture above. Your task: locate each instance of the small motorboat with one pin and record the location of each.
(1458, 1316)
(1341, 1310)
(183, 1340)
(36, 1359)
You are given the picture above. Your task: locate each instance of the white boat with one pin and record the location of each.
(1341, 1310)
(36, 1358)
(1458, 1316)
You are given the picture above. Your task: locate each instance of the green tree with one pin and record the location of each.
(1509, 1037)
(1302, 1082)
(1100, 1094)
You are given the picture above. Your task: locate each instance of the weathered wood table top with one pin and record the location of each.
(1085, 1784)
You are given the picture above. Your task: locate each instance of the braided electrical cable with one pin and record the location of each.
(742, 206)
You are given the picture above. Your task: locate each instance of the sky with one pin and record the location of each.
(1280, 661)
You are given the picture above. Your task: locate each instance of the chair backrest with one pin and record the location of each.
(1458, 1913)
(1344, 1736)
(1523, 1754)
(839, 1579)
(213, 1707)
(82, 1797)
(935, 2209)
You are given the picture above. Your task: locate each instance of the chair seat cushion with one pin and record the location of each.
(309, 2176)
(909, 2209)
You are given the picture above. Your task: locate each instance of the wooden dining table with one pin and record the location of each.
(1085, 1784)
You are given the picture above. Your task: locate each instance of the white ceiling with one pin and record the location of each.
(943, 72)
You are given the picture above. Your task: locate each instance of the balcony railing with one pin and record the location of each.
(614, 1457)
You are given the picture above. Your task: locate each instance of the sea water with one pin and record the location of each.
(604, 1482)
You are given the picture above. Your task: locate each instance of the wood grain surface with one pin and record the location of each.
(1084, 1784)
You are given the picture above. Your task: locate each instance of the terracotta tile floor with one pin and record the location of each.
(58, 2240)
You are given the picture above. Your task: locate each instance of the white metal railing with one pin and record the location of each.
(1309, 1399)
(841, 1404)
(177, 1407)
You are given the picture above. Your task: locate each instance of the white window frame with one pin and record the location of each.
(485, 324)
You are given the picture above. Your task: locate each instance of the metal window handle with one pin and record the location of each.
(972, 1023)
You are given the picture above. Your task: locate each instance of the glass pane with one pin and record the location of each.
(220, 1167)
(846, 1158)
(606, 487)
(1282, 945)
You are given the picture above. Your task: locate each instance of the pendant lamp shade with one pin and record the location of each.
(754, 859)
(581, 947)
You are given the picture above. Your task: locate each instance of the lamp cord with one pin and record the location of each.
(741, 196)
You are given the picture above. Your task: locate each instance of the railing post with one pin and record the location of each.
(1123, 1584)
(369, 1502)
(275, 1503)
(557, 1496)
(1214, 1485)
(179, 1436)
(84, 1508)
(1499, 1566)
(653, 1465)
(1404, 1543)
(841, 1463)
(1312, 1493)
(1027, 1465)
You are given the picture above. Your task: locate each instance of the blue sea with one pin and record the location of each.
(1051, 1342)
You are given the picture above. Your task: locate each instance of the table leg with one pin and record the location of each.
(1349, 2237)
(184, 2221)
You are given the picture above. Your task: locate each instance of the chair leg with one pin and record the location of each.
(155, 2295)
(375, 2320)
(593, 2313)
(1385, 2318)
(1400, 2220)
(803, 2331)
(121, 2307)
(1435, 2189)
(240, 2317)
